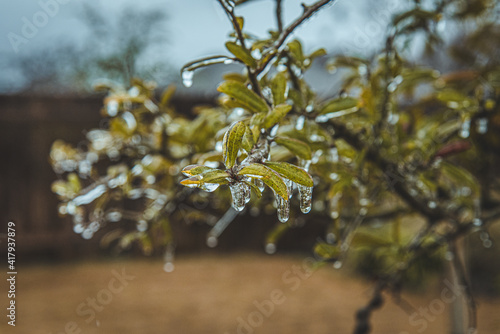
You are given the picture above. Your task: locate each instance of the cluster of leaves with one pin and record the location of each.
(401, 158)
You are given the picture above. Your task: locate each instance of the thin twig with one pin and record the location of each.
(308, 12)
(279, 17)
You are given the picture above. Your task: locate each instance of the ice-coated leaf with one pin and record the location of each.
(295, 48)
(318, 53)
(278, 88)
(297, 147)
(248, 140)
(232, 142)
(192, 170)
(276, 115)
(339, 104)
(214, 176)
(291, 172)
(244, 96)
(327, 251)
(239, 52)
(271, 178)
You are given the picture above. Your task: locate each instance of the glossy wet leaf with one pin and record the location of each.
(271, 178)
(244, 96)
(278, 88)
(276, 115)
(239, 52)
(291, 172)
(297, 147)
(232, 142)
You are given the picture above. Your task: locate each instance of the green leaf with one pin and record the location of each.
(327, 251)
(278, 88)
(339, 104)
(242, 54)
(241, 21)
(276, 115)
(232, 142)
(297, 147)
(295, 48)
(248, 140)
(193, 170)
(318, 53)
(292, 172)
(214, 176)
(244, 96)
(272, 179)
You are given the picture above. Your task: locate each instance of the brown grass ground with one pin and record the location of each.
(208, 295)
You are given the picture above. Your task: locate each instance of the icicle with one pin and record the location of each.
(246, 192)
(289, 187)
(274, 130)
(283, 208)
(324, 118)
(238, 194)
(187, 78)
(305, 196)
(300, 123)
(260, 184)
(78, 228)
(169, 259)
(477, 213)
(112, 108)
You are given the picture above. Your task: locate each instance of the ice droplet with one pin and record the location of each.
(78, 228)
(270, 248)
(305, 196)
(337, 264)
(333, 155)
(260, 184)
(168, 267)
(87, 234)
(238, 194)
(283, 208)
(212, 241)
(187, 78)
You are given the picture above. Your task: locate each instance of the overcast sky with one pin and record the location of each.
(195, 28)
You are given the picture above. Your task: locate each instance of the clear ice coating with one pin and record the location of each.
(210, 187)
(283, 208)
(238, 194)
(187, 78)
(246, 192)
(305, 197)
(259, 184)
(289, 187)
(300, 123)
